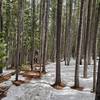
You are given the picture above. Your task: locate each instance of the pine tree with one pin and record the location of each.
(66, 30)
(53, 30)
(20, 21)
(1, 17)
(69, 34)
(87, 40)
(32, 33)
(46, 17)
(79, 43)
(58, 35)
(97, 17)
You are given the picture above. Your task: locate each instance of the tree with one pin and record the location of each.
(2, 52)
(97, 97)
(1, 17)
(79, 43)
(20, 21)
(97, 15)
(13, 31)
(91, 46)
(32, 33)
(63, 31)
(91, 31)
(84, 29)
(1, 26)
(87, 41)
(66, 28)
(41, 22)
(8, 30)
(53, 30)
(47, 4)
(69, 34)
(58, 35)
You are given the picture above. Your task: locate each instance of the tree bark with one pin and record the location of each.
(84, 30)
(1, 26)
(1, 17)
(32, 33)
(97, 96)
(87, 41)
(53, 30)
(69, 34)
(45, 34)
(79, 43)
(66, 28)
(58, 35)
(42, 21)
(95, 46)
(19, 32)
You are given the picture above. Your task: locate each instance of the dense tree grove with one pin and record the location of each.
(41, 31)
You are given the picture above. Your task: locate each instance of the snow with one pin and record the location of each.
(41, 90)
(29, 92)
(5, 72)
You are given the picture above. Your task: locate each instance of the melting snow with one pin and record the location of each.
(41, 89)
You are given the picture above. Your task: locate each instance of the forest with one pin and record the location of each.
(49, 49)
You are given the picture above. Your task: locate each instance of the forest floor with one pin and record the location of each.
(40, 89)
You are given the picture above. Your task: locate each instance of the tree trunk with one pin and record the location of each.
(97, 97)
(53, 30)
(45, 34)
(79, 43)
(1, 17)
(13, 30)
(69, 34)
(19, 32)
(62, 33)
(42, 21)
(66, 28)
(95, 46)
(87, 41)
(83, 30)
(91, 27)
(7, 31)
(32, 33)
(1, 27)
(58, 35)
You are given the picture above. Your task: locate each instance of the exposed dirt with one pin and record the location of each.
(59, 86)
(77, 88)
(18, 83)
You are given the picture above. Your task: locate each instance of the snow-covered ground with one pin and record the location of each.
(5, 72)
(41, 89)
